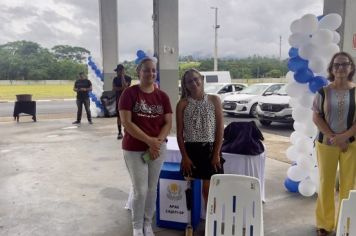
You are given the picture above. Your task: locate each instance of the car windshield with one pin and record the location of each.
(255, 89)
(212, 88)
(281, 91)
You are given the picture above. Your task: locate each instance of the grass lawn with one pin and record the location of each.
(49, 91)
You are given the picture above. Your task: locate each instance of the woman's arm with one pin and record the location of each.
(186, 163)
(343, 137)
(219, 134)
(130, 127)
(322, 125)
(166, 128)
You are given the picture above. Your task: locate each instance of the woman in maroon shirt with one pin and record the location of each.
(146, 115)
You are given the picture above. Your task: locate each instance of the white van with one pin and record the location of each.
(216, 76)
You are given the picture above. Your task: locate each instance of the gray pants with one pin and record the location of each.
(144, 178)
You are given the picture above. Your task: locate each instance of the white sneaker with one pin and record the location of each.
(147, 229)
(137, 232)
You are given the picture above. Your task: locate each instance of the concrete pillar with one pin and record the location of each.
(347, 31)
(165, 27)
(108, 39)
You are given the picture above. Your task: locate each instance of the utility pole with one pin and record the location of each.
(216, 27)
(280, 48)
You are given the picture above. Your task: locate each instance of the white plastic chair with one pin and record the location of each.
(234, 206)
(347, 216)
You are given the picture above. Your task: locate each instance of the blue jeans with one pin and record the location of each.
(144, 178)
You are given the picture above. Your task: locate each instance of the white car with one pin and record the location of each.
(245, 101)
(223, 89)
(275, 108)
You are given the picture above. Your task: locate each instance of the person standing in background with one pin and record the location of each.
(146, 115)
(82, 87)
(119, 84)
(334, 115)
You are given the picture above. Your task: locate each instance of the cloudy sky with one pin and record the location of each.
(248, 27)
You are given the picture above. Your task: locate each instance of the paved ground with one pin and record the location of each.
(59, 179)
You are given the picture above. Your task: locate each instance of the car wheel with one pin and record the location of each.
(265, 122)
(253, 111)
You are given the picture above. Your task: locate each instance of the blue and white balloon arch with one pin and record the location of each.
(96, 78)
(314, 42)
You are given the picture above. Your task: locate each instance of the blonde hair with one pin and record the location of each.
(185, 91)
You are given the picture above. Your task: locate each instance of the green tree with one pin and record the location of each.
(77, 54)
(25, 60)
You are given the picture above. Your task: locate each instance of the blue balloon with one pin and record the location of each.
(303, 76)
(291, 185)
(140, 53)
(137, 61)
(297, 63)
(293, 52)
(317, 83)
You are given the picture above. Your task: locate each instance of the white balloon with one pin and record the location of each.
(294, 137)
(331, 21)
(327, 51)
(298, 126)
(322, 37)
(307, 50)
(149, 53)
(317, 64)
(314, 176)
(314, 156)
(306, 163)
(336, 37)
(295, 89)
(296, 173)
(292, 153)
(301, 114)
(304, 145)
(290, 76)
(309, 24)
(295, 27)
(296, 40)
(307, 100)
(310, 129)
(330, 50)
(306, 188)
(293, 102)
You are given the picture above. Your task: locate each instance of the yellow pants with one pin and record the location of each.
(328, 159)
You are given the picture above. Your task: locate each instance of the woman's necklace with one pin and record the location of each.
(340, 95)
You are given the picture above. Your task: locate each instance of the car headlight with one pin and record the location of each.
(243, 101)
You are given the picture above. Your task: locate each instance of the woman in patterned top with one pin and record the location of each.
(334, 115)
(200, 130)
